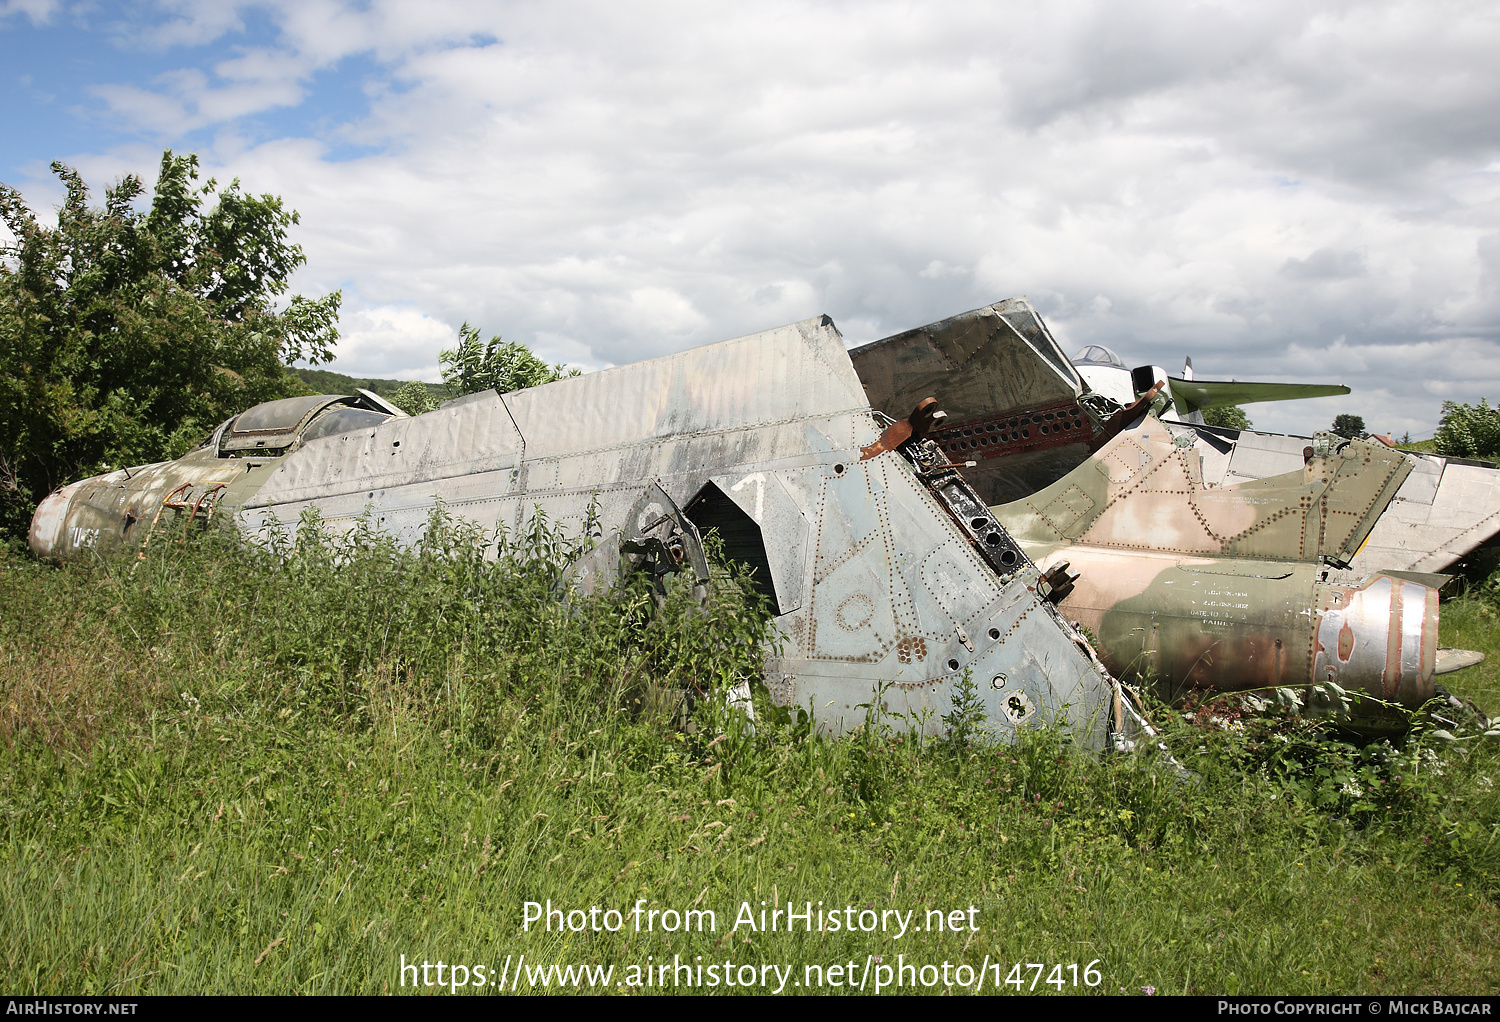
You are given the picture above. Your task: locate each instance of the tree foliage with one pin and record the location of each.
(413, 398)
(477, 365)
(125, 335)
(1468, 431)
(1226, 416)
(1350, 427)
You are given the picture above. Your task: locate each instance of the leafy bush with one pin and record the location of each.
(414, 398)
(1226, 416)
(1468, 431)
(475, 365)
(1350, 427)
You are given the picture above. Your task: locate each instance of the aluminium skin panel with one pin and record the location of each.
(882, 593)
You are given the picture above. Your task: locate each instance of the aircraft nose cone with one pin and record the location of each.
(48, 522)
(1380, 638)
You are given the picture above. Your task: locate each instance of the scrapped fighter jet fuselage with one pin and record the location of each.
(889, 570)
(1205, 557)
(889, 575)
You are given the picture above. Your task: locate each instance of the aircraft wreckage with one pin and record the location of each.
(1027, 415)
(1204, 557)
(885, 571)
(887, 568)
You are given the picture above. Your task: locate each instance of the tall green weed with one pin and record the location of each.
(230, 767)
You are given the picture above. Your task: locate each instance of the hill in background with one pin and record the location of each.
(322, 381)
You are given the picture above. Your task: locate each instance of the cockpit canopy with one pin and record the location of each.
(275, 427)
(1098, 355)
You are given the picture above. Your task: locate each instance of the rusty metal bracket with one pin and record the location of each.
(1058, 582)
(922, 420)
(198, 508)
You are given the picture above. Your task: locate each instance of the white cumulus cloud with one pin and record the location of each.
(1285, 191)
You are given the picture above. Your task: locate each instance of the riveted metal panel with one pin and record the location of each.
(778, 376)
(466, 438)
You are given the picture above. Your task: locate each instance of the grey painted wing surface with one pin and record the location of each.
(881, 591)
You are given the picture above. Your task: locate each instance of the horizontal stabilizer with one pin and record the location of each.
(1450, 659)
(1191, 395)
(1431, 580)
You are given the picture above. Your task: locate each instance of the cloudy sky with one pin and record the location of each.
(1286, 191)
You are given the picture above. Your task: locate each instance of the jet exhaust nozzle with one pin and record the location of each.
(1381, 638)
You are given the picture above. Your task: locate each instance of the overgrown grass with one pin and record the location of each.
(245, 771)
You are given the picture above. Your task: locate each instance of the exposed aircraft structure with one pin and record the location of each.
(888, 573)
(1027, 415)
(1199, 557)
(1016, 406)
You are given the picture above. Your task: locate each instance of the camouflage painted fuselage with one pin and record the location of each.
(1223, 587)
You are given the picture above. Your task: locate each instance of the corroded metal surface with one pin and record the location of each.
(890, 580)
(1004, 435)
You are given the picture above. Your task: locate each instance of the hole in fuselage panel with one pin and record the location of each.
(712, 510)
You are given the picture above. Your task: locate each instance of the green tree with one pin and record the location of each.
(127, 335)
(1349, 427)
(477, 365)
(413, 398)
(1468, 431)
(1227, 416)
